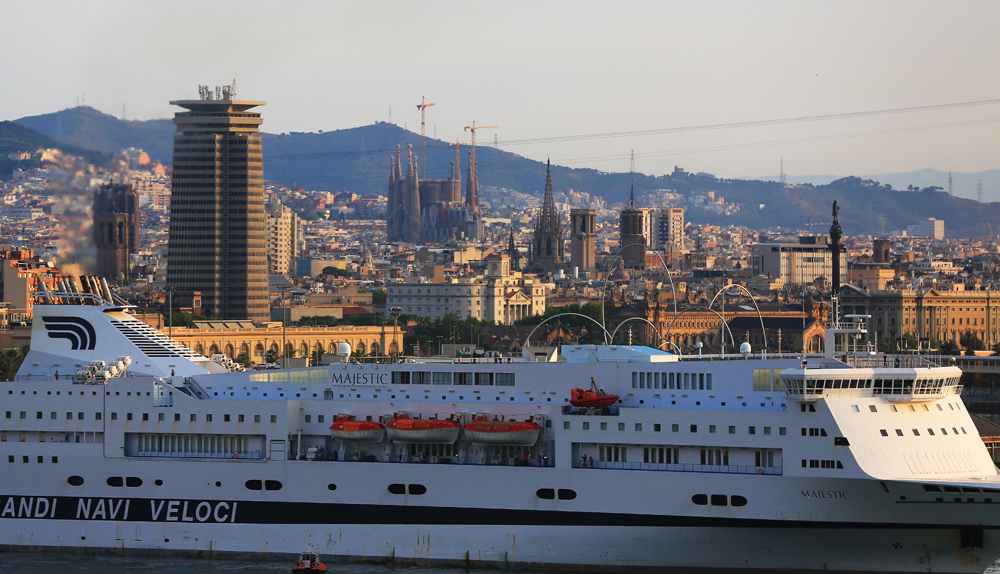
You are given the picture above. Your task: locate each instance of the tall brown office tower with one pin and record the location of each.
(633, 240)
(116, 229)
(217, 239)
(583, 238)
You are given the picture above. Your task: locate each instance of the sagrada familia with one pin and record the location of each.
(432, 210)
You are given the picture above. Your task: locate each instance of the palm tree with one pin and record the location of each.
(10, 361)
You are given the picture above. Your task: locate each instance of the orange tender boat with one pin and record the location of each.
(484, 431)
(344, 428)
(592, 399)
(308, 562)
(405, 429)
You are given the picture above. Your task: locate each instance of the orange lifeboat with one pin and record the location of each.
(343, 428)
(592, 399)
(484, 431)
(405, 429)
(308, 562)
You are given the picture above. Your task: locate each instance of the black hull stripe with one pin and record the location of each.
(250, 512)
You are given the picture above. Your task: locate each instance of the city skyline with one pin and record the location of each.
(556, 70)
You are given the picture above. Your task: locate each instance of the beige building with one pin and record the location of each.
(501, 295)
(668, 229)
(283, 238)
(217, 243)
(930, 314)
(233, 339)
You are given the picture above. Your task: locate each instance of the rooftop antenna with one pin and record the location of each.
(390, 114)
(950, 191)
(422, 106)
(784, 182)
(979, 190)
(496, 141)
(631, 192)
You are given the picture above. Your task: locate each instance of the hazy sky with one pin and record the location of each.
(546, 69)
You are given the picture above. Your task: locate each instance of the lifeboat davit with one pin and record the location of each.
(484, 431)
(405, 429)
(594, 398)
(308, 562)
(344, 428)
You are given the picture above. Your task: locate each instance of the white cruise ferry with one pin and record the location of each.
(846, 462)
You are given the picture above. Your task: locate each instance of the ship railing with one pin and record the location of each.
(890, 362)
(707, 468)
(250, 455)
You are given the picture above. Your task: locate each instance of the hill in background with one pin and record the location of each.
(357, 159)
(15, 137)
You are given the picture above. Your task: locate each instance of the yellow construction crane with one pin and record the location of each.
(473, 128)
(422, 106)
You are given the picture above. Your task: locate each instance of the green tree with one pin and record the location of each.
(335, 272)
(948, 348)
(971, 342)
(10, 362)
(378, 297)
(592, 310)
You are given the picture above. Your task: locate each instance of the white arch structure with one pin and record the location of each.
(607, 276)
(527, 340)
(725, 327)
(763, 332)
(644, 320)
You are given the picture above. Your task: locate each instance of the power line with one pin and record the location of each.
(682, 129)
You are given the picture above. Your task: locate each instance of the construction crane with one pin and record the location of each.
(422, 106)
(458, 162)
(473, 128)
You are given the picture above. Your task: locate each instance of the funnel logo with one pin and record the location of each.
(78, 332)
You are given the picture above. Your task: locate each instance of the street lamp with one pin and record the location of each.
(395, 312)
(170, 318)
(284, 344)
(439, 345)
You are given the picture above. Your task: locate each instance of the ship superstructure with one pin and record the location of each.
(845, 462)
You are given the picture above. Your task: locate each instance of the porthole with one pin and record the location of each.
(158, 482)
(546, 493)
(700, 499)
(720, 500)
(253, 485)
(566, 494)
(418, 489)
(737, 500)
(397, 489)
(218, 483)
(331, 487)
(115, 481)
(271, 485)
(133, 481)
(75, 481)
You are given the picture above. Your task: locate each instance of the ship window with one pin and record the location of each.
(872, 408)
(115, 481)
(656, 427)
(752, 430)
(208, 417)
(732, 429)
(635, 380)
(546, 493)
(737, 500)
(586, 425)
(253, 485)
(73, 480)
(177, 417)
(916, 432)
(308, 418)
(899, 432)
(133, 481)
(930, 432)
(720, 500)
(963, 431)
(159, 417)
(938, 406)
(604, 426)
(711, 429)
(272, 485)
(225, 418)
(621, 427)
(700, 499)
(943, 431)
(417, 489)
(694, 428)
(331, 486)
(565, 425)
(114, 416)
(484, 378)
(638, 427)
(767, 430)
(884, 432)
(194, 417)
(854, 408)
(397, 488)
(145, 416)
(256, 418)
(566, 494)
(274, 419)
(782, 431)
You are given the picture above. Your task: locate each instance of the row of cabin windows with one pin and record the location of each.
(671, 455)
(657, 427)
(193, 444)
(26, 459)
(82, 393)
(719, 500)
(161, 417)
(429, 378)
(880, 386)
(672, 381)
(816, 463)
(930, 431)
(912, 408)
